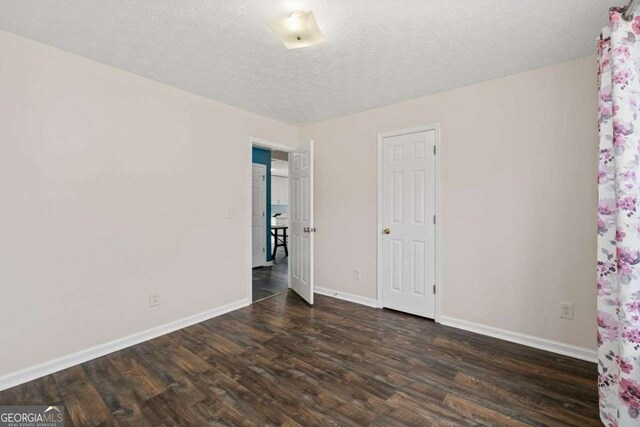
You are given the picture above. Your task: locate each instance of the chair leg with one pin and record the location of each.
(286, 251)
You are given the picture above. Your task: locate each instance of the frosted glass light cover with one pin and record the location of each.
(300, 29)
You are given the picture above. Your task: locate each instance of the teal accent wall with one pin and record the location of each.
(263, 157)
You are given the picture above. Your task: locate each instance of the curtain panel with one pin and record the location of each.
(618, 283)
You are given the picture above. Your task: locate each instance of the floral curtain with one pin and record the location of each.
(619, 222)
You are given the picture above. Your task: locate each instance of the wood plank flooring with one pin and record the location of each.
(281, 362)
(269, 281)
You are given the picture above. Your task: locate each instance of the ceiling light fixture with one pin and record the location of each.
(300, 29)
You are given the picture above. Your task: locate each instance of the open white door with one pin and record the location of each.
(258, 212)
(301, 221)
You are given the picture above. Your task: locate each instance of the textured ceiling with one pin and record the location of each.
(377, 51)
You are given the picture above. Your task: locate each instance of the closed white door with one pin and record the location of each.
(258, 212)
(408, 221)
(301, 227)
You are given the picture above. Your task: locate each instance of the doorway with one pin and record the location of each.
(270, 223)
(407, 220)
(284, 259)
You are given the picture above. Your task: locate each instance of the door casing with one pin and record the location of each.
(439, 214)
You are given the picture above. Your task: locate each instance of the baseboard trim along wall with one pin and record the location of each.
(528, 340)
(55, 365)
(370, 302)
(515, 337)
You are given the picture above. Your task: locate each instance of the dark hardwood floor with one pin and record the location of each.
(268, 281)
(281, 362)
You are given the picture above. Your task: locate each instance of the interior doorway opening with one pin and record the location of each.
(288, 223)
(270, 222)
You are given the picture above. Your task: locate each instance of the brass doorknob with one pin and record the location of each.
(387, 230)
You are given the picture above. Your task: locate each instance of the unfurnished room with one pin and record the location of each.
(319, 213)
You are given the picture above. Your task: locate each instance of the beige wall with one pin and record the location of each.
(519, 167)
(113, 186)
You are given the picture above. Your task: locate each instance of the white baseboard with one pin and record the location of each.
(369, 302)
(264, 264)
(528, 340)
(58, 364)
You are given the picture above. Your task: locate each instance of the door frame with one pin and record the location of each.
(269, 145)
(439, 216)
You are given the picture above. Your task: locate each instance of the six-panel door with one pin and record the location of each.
(301, 220)
(258, 211)
(408, 250)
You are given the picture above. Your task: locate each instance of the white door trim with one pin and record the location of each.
(439, 216)
(259, 143)
(263, 143)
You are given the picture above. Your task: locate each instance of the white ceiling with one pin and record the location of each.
(377, 51)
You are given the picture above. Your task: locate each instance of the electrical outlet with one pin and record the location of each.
(356, 274)
(229, 214)
(154, 299)
(566, 310)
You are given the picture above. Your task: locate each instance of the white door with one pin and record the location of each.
(408, 221)
(301, 227)
(258, 212)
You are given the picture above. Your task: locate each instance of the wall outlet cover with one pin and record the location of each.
(356, 274)
(154, 299)
(566, 310)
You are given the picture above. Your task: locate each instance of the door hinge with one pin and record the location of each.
(434, 219)
(263, 252)
(434, 289)
(263, 177)
(262, 213)
(434, 149)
